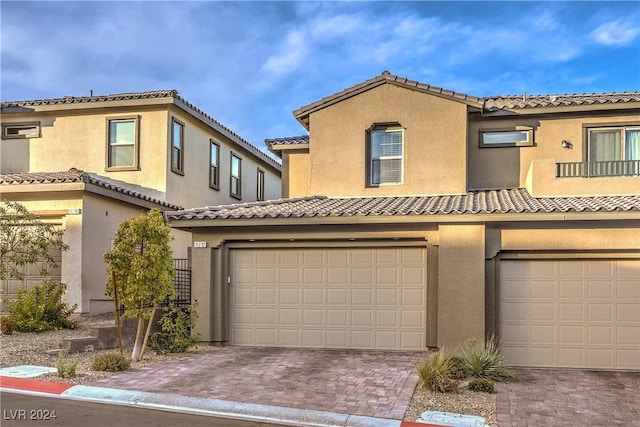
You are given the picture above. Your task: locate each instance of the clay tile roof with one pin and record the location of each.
(514, 201)
(537, 101)
(290, 140)
(76, 175)
(89, 99)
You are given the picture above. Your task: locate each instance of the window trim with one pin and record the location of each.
(136, 143)
(237, 195)
(383, 127)
(23, 125)
(260, 180)
(214, 174)
(530, 142)
(179, 170)
(622, 127)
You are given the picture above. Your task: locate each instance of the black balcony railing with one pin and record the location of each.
(598, 169)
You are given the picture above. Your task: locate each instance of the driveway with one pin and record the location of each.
(368, 383)
(563, 397)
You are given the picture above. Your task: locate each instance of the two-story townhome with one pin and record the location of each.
(87, 163)
(418, 217)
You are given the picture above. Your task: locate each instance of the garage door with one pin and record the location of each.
(366, 298)
(582, 314)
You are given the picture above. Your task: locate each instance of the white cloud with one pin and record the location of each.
(290, 56)
(617, 33)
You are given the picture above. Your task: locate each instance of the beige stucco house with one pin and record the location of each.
(417, 217)
(87, 163)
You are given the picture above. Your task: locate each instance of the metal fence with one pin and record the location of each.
(598, 169)
(182, 281)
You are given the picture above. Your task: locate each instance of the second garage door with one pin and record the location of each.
(578, 314)
(364, 298)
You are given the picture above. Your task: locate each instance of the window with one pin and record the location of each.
(122, 143)
(236, 176)
(385, 155)
(214, 165)
(614, 143)
(177, 147)
(20, 130)
(520, 136)
(260, 193)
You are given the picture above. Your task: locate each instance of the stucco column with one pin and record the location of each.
(71, 264)
(461, 276)
(201, 278)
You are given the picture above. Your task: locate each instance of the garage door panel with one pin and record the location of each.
(335, 297)
(579, 313)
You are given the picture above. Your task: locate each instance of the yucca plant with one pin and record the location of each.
(436, 373)
(485, 360)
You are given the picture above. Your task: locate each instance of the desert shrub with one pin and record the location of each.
(484, 385)
(485, 360)
(176, 325)
(7, 325)
(65, 366)
(42, 308)
(435, 373)
(110, 362)
(459, 371)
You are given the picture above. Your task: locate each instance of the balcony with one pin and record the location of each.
(598, 169)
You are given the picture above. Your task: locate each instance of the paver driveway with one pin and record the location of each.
(563, 397)
(369, 383)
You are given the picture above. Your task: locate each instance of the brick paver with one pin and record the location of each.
(562, 397)
(369, 383)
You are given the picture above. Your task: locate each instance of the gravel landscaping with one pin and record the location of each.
(32, 349)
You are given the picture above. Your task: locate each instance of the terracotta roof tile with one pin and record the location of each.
(76, 175)
(290, 140)
(477, 202)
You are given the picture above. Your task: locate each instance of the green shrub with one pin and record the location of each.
(485, 360)
(66, 367)
(7, 325)
(110, 362)
(436, 373)
(176, 324)
(459, 371)
(41, 308)
(484, 385)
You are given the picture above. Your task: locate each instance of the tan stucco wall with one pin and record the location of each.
(295, 174)
(509, 167)
(78, 139)
(434, 143)
(588, 237)
(461, 284)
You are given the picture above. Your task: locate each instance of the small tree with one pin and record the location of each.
(142, 267)
(25, 240)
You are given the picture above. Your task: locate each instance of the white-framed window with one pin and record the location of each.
(385, 155)
(21, 130)
(214, 165)
(177, 146)
(235, 189)
(520, 136)
(260, 185)
(122, 143)
(613, 143)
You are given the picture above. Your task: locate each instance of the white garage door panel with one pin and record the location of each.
(583, 313)
(334, 298)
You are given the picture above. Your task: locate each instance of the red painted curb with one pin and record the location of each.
(33, 385)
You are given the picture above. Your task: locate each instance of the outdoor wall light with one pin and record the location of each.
(566, 144)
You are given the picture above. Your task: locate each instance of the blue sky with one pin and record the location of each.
(250, 64)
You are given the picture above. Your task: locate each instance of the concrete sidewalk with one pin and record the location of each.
(203, 406)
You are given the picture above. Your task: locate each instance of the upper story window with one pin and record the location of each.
(214, 165)
(20, 130)
(236, 176)
(613, 143)
(520, 136)
(385, 154)
(177, 146)
(122, 143)
(260, 185)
